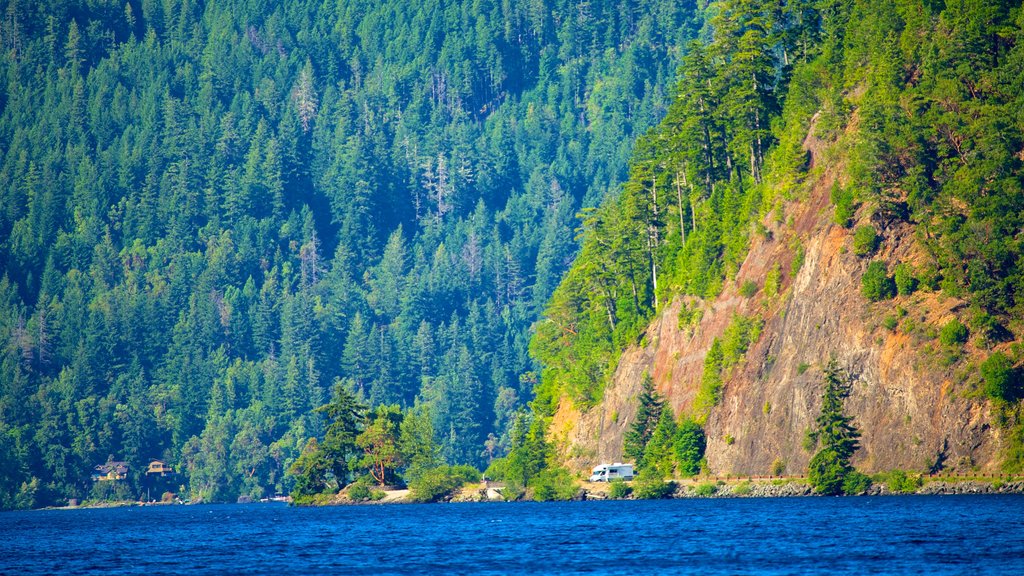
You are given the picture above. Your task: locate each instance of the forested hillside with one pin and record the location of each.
(211, 213)
(913, 112)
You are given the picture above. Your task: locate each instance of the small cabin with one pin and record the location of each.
(159, 468)
(112, 471)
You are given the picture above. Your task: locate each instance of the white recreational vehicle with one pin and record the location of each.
(609, 472)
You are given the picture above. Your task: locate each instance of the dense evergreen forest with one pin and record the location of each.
(215, 215)
(923, 99)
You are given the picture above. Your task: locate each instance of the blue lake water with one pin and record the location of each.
(865, 535)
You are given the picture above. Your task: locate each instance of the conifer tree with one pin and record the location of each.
(836, 435)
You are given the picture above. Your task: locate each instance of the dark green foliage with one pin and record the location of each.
(876, 284)
(836, 435)
(953, 333)
(209, 217)
(659, 454)
(865, 240)
(650, 405)
(906, 284)
(690, 443)
(748, 289)
(1001, 380)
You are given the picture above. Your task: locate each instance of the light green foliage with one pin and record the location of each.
(773, 281)
(439, 483)
(706, 489)
(901, 482)
(362, 490)
(379, 442)
(709, 393)
(836, 434)
(528, 454)
(810, 440)
(865, 240)
(1001, 380)
(649, 485)
(903, 275)
(778, 467)
(799, 254)
(876, 284)
(856, 483)
(690, 444)
(845, 206)
(739, 335)
(748, 289)
(617, 489)
(890, 322)
(417, 447)
(742, 488)
(310, 470)
(553, 484)
(953, 333)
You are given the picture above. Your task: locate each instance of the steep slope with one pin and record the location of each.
(873, 233)
(913, 412)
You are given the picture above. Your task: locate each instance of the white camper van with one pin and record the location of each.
(609, 472)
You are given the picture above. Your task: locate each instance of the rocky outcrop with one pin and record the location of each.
(910, 399)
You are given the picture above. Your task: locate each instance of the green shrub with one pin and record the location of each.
(778, 467)
(497, 468)
(799, 254)
(773, 281)
(810, 441)
(690, 444)
(953, 333)
(742, 489)
(900, 482)
(439, 483)
(890, 322)
(553, 484)
(843, 199)
(856, 483)
(802, 368)
(706, 489)
(1002, 382)
(865, 240)
(748, 289)
(905, 281)
(651, 486)
(876, 284)
(359, 491)
(619, 490)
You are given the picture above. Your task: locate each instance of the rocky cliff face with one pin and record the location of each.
(910, 400)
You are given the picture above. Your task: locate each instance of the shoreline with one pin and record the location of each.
(684, 489)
